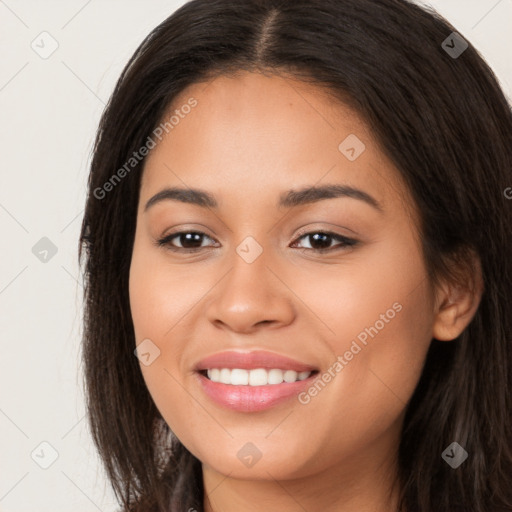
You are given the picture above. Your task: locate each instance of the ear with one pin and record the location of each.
(456, 304)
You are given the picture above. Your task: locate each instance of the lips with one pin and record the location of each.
(252, 398)
(252, 360)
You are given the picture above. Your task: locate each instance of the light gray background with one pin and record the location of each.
(49, 112)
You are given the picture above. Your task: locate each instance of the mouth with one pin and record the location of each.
(253, 381)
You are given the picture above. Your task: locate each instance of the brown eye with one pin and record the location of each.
(186, 241)
(320, 241)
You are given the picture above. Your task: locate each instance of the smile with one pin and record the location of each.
(257, 377)
(252, 381)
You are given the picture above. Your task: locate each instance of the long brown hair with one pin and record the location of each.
(442, 120)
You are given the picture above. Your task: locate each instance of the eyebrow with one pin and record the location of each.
(289, 199)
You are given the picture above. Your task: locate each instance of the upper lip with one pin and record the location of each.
(252, 360)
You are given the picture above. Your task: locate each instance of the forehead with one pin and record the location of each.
(257, 134)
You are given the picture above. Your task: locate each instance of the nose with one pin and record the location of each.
(251, 296)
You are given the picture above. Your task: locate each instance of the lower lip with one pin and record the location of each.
(252, 398)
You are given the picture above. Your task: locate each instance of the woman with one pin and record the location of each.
(298, 223)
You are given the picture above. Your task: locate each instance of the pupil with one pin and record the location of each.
(324, 242)
(190, 238)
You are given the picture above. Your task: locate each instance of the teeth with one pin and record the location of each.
(239, 377)
(225, 376)
(257, 377)
(290, 376)
(275, 376)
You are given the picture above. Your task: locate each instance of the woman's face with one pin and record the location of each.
(359, 314)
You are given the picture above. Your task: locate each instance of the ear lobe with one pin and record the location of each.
(457, 304)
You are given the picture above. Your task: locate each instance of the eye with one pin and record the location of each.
(192, 241)
(188, 241)
(320, 241)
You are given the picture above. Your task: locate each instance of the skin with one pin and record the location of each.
(250, 138)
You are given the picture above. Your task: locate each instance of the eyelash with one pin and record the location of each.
(345, 242)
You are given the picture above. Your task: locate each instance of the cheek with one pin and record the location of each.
(381, 364)
(378, 296)
(382, 322)
(162, 298)
(166, 304)
(161, 295)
